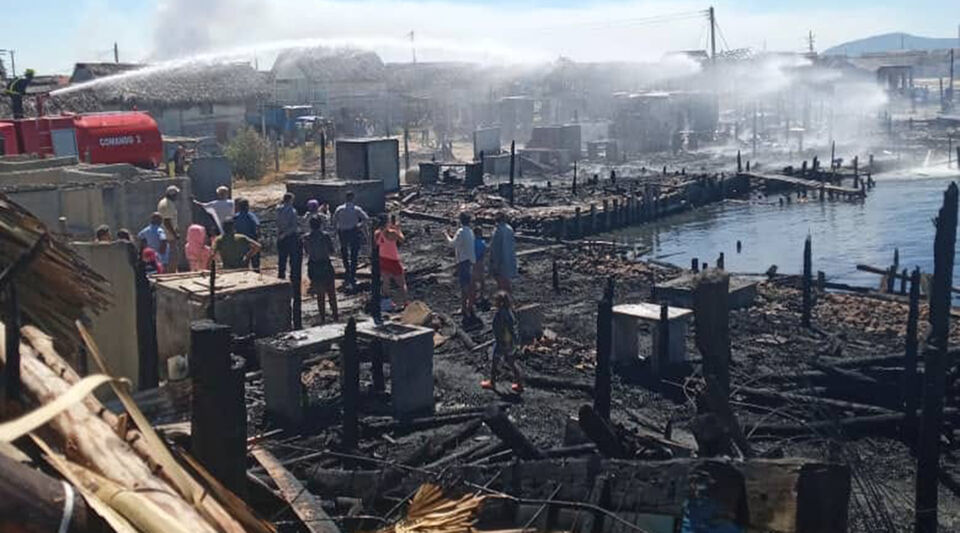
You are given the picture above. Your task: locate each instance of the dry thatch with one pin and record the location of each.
(56, 286)
(430, 511)
(322, 64)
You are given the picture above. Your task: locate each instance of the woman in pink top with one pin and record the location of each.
(197, 251)
(387, 237)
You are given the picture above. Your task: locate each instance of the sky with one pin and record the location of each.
(51, 35)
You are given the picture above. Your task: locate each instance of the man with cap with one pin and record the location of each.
(167, 207)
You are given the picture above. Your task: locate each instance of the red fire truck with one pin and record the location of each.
(114, 137)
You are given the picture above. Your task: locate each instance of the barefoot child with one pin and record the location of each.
(504, 335)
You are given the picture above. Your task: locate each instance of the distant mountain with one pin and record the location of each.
(890, 42)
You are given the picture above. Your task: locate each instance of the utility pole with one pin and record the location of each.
(713, 36)
(413, 48)
(949, 90)
(810, 41)
(116, 52)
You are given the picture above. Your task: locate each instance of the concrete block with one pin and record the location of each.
(679, 291)
(370, 159)
(530, 322)
(114, 261)
(246, 301)
(429, 172)
(409, 351)
(368, 194)
(281, 359)
(636, 333)
(486, 140)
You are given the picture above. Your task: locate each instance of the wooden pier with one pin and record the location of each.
(796, 183)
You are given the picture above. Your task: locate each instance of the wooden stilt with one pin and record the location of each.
(934, 376)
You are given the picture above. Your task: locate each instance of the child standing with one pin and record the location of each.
(504, 343)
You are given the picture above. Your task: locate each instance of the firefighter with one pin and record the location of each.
(16, 90)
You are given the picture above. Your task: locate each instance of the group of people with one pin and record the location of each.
(475, 257)
(236, 245)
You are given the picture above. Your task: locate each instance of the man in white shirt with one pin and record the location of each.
(464, 249)
(348, 219)
(167, 207)
(221, 208)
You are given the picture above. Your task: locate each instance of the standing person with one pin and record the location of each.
(313, 209)
(154, 237)
(464, 249)
(247, 223)
(222, 207)
(180, 160)
(234, 249)
(387, 237)
(167, 207)
(123, 234)
(479, 272)
(504, 343)
(348, 220)
(103, 233)
(197, 252)
(319, 248)
(503, 254)
(16, 90)
(288, 241)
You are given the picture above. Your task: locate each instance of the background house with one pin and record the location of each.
(193, 100)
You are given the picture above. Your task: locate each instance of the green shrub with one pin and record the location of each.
(249, 154)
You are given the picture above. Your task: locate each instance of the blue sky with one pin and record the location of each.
(51, 35)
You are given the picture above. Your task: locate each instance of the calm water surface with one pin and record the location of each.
(897, 213)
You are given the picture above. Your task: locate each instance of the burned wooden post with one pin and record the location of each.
(807, 281)
(323, 155)
(934, 375)
(11, 370)
(598, 430)
(903, 282)
(501, 426)
(720, 261)
(739, 163)
(406, 148)
(663, 328)
(593, 219)
(833, 154)
(856, 168)
(513, 164)
(577, 224)
(149, 376)
(695, 264)
(574, 188)
(375, 289)
(212, 288)
(711, 315)
(891, 278)
(218, 416)
(909, 386)
(601, 395)
(350, 385)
